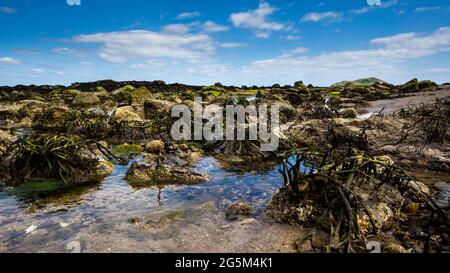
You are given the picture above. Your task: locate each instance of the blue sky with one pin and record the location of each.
(236, 42)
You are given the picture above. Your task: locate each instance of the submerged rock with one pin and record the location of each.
(237, 209)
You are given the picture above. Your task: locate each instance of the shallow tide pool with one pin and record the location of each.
(47, 222)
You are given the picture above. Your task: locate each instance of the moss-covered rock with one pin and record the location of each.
(126, 150)
(427, 84)
(86, 99)
(140, 95)
(122, 95)
(410, 87)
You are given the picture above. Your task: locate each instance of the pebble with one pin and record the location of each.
(30, 229)
(73, 247)
(64, 225)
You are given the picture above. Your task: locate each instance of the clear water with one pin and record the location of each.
(60, 216)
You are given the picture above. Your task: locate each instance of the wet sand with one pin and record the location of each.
(393, 105)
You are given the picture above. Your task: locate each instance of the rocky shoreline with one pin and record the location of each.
(346, 178)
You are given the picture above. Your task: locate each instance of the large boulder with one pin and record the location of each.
(410, 87)
(140, 95)
(122, 95)
(86, 100)
(157, 109)
(126, 114)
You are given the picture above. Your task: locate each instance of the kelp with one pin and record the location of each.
(332, 182)
(432, 121)
(51, 156)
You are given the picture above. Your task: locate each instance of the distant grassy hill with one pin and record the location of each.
(366, 81)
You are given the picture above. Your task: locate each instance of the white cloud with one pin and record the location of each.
(425, 9)
(293, 37)
(74, 2)
(232, 45)
(374, 2)
(320, 16)
(125, 45)
(8, 10)
(59, 72)
(64, 50)
(177, 28)
(188, 15)
(36, 71)
(257, 20)
(9, 60)
(386, 60)
(210, 26)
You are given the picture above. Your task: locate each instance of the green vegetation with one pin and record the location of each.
(126, 150)
(49, 156)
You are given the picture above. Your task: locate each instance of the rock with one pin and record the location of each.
(394, 247)
(349, 113)
(103, 169)
(126, 150)
(409, 87)
(73, 247)
(86, 100)
(418, 189)
(183, 147)
(122, 95)
(247, 221)
(140, 174)
(64, 225)
(157, 109)
(155, 146)
(140, 95)
(237, 209)
(30, 229)
(426, 84)
(126, 114)
(411, 208)
(381, 214)
(442, 186)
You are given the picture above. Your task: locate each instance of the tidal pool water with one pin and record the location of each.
(48, 221)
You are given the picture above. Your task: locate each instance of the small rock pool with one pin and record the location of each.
(48, 222)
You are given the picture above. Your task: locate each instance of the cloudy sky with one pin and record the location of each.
(232, 41)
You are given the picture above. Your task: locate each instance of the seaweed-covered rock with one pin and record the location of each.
(349, 113)
(140, 174)
(50, 118)
(157, 109)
